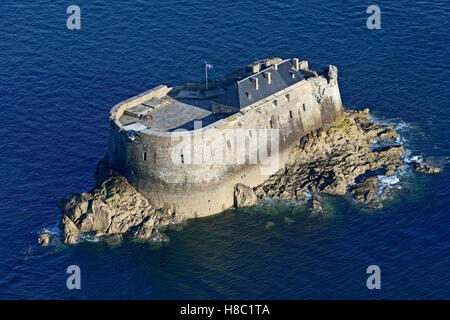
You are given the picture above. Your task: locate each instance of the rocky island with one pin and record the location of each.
(147, 180)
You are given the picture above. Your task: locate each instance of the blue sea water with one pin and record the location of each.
(57, 86)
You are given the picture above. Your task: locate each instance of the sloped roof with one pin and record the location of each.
(243, 92)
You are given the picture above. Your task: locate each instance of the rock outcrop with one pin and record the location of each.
(329, 162)
(365, 191)
(244, 196)
(69, 230)
(316, 203)
(44, 239)
(324, 162)
(425, 168)
(114, 208)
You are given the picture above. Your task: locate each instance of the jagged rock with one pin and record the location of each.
(97, 218)
(316, 203)
(330, 162)
(146, 229)
(244, 196)
(114, 208)
(365, 191)
(425, 168)
(69, 230)
(390, 170)
(387, 133)
(44, 239)
(337, 187)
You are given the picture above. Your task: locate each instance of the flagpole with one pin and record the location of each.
(206, 77)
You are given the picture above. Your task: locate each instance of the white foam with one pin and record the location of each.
(401, 125)
(307, 194)
(52, 230)
(397, 123)
(181, 222)
(87, 237)
(388, 180)
(410, 159)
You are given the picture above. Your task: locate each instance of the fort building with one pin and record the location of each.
(156, 141)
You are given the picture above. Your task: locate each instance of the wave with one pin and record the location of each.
(54, 230)
(86, 236)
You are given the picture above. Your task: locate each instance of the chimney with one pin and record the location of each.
(269, 77)
(296, 64)
(255, 67)
(275, 66)
(256, 83)
(304, 65)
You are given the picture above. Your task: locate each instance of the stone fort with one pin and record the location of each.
(281, 96)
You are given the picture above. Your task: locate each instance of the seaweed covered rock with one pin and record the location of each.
(425, 168)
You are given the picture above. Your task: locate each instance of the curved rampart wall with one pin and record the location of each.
(163, 167)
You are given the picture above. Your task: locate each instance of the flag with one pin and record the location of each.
(208, 65)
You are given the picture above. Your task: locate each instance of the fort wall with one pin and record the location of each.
(172, 170)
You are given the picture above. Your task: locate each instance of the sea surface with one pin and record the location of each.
(57, 86)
